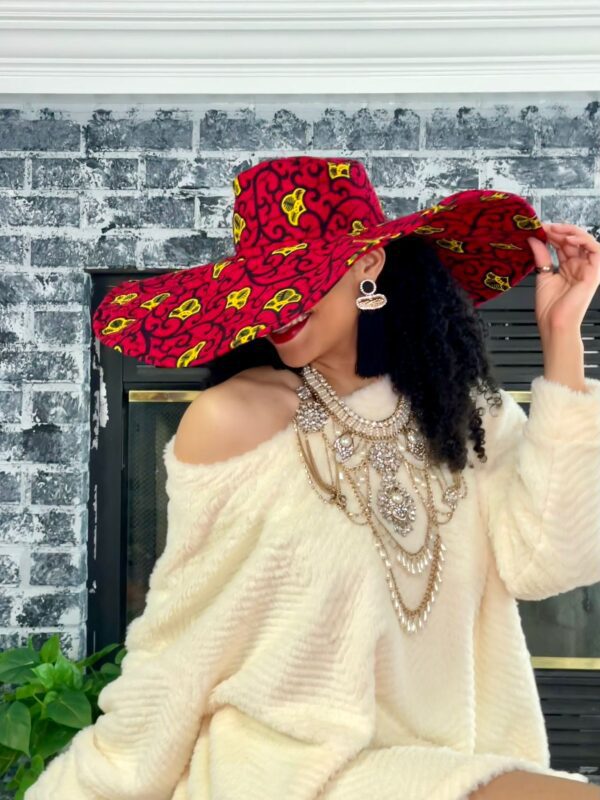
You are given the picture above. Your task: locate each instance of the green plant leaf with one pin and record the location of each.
(48, 738)
(30, 776)
(29, 690)
(50, 648)
(37, 764)
(110, 669)
(67, 673)
(14, 784)
(71, 708)
(91, 659)
(8, 756)
(16, 664)
(15, 726)
(47, 675)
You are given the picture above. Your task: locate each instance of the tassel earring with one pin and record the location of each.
(368, 300)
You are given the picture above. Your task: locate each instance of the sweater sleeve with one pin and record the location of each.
(139, 747)
(540, 489)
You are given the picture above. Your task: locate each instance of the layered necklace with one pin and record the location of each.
(357, 448)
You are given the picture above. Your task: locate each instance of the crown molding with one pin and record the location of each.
(272, 47)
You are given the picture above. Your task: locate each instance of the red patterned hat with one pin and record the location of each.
(299, 223)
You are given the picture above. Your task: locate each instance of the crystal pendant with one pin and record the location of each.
(416, 443)
(397, 506)
(453, 494)
(343, 447)
(384, 457)
(311, 416)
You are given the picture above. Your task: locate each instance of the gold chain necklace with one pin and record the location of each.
(383, 446)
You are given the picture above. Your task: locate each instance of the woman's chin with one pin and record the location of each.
(292, 353)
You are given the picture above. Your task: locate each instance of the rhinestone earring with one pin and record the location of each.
(368, 300)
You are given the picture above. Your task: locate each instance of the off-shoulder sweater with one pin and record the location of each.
(269, 662)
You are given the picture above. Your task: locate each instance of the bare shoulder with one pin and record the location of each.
(237, 415)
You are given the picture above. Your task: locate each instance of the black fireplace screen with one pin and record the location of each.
(150, 426)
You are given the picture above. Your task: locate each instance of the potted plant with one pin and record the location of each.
(45, 699)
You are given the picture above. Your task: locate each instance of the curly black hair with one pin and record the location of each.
(430, 339)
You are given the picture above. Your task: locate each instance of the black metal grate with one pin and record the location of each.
(571, 705)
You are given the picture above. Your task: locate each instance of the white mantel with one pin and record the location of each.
(281, 47)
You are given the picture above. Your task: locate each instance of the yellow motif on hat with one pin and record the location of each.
(371, 241)
(190, 355)
(246, 335)
(498, 283)
(283, 298)
(354, 256)
(505, 246)
(338, 170)
(237, 189)
(293, 206)
(239, 298)
(495, 196)
(527, 223)
(219, 266)
(285, 251)
(116, 325)
(427, 229)
(451, 244)
(436, 208)
(357, 227)
(123, 299)
(186, 309)
(239, 223)
(155, 301)
(118, 348)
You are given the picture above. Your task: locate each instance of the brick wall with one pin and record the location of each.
(150, 186)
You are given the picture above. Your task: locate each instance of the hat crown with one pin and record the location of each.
(287, 201)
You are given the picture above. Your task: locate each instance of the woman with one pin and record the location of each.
(334, 615)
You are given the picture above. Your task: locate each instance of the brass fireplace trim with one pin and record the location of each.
(564, 662)
(187, 395)
(168, 396)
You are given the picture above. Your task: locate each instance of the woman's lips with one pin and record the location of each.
(288, 333)
(295, 321)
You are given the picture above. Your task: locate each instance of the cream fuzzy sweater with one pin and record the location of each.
(269, 662)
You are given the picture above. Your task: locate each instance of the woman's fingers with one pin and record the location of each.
(559, 239)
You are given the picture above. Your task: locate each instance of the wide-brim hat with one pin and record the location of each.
(299, 223)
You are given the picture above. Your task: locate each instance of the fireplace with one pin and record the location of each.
(138, 408)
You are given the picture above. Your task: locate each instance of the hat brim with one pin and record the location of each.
(193, 315)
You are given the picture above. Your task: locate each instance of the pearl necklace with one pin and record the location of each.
(384, 446)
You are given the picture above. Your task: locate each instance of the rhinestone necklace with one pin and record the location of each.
(384, 446)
